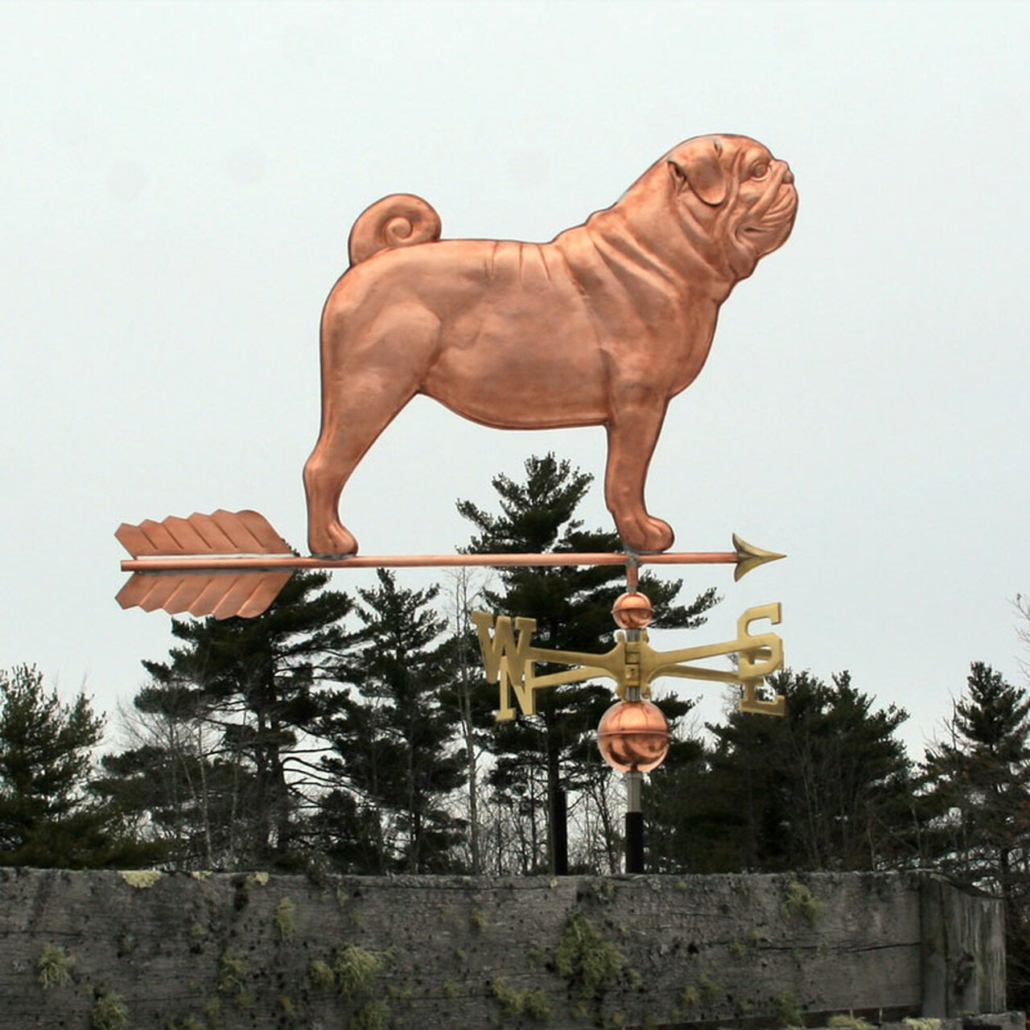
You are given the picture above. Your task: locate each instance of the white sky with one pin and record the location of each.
(179, 181)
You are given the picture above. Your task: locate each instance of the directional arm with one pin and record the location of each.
(510, 661)
(760, 655)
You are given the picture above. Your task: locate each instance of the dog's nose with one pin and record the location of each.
(788, 176)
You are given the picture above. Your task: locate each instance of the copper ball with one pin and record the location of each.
(632, 610)
(633, 736)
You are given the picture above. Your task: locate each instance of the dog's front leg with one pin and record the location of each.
(633, 429)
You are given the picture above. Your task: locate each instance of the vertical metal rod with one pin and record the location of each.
(634, 784)
(634, 823)
(632, 571)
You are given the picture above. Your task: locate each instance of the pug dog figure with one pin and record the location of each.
(601, 326)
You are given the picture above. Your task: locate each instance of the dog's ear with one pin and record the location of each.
(697, 165)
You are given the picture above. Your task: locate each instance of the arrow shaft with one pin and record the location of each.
(268, 563)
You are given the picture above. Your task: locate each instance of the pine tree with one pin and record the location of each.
(674, 789)
(256, 686)
(976, 786)
(826, 787)
(47, 817)
(539, 757)
(392, 739)
(977, 776)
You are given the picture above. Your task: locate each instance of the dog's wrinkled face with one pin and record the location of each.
(736, 201)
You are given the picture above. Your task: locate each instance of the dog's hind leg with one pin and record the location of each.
(364, 385)
(350, 426)
(632, 434)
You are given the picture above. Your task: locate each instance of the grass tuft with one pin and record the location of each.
(54, 967)
(109, 1012)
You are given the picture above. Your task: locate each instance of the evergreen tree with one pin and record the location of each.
(673, 801)
(826, 787)
(976, 779)
(256, 686)
(540, 756)
(47, 817)
(392, 740)
(976, 786)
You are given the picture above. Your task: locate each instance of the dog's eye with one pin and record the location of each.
(760, 170)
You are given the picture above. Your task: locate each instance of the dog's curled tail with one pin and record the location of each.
(399, 220)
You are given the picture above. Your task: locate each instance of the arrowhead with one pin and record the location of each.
(750, 557)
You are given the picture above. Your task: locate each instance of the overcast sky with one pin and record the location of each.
(179, 181)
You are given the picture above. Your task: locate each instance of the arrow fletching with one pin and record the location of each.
(217, 592)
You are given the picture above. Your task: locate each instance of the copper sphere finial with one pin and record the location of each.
(633, 736)
(632, 611)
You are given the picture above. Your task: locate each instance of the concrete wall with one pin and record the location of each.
(182, 952)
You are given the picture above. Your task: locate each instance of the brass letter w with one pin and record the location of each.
(505, 659)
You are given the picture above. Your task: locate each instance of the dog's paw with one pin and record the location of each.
(647, 534)
(332, 542)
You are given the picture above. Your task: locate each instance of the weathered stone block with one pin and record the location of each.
(198, 952)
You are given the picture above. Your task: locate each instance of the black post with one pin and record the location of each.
(634, 823)
(560, 833)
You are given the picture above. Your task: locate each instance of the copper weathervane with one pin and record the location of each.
(603, 325)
